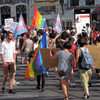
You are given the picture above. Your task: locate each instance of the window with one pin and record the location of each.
(48, 9)
(70, 23)
(90, 2)
(21, 9)
(74, 2)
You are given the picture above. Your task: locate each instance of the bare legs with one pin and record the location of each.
(65, 87)
(72, 76)
(55, 69)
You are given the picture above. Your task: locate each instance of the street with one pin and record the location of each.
(26, 90)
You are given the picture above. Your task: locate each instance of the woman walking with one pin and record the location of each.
(66, 60)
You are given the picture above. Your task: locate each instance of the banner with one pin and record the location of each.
(8, 21)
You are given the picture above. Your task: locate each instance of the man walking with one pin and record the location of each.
(7, 52)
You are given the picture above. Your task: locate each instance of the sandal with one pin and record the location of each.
(66, 98)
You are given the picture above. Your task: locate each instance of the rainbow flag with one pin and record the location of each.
(36, 65)
(38, 20)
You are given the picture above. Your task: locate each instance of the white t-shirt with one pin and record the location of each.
(88, 30)
(8, 49)
(35, 46)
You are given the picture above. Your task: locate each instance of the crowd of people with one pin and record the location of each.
(71, 43)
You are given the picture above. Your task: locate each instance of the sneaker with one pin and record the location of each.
(3, 90)
(90, 84)
(47, 74)
(11, 92)
(38, 87)
(42, 89)
(15, 83)
(72, 84)
(85, 96)
(69, 82)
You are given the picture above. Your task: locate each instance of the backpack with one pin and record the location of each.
(87, 61)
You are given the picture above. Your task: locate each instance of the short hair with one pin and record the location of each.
(41, 31)
(67, 45)
(22, 34)
(8, 32)
(96, 29)
(52, 35)
(84, 34)
(98, 39)
(71, 39)
(28, 35)
(87, 24)
(64, 35)
(35, 39)
(81, 42)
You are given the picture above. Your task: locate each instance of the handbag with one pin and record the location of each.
(63, 72)
(31, 53)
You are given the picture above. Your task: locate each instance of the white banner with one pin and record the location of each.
(8, 21)
(7, 28)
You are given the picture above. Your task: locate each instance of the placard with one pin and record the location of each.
(47, 62)
(8, 21)
(95, 52)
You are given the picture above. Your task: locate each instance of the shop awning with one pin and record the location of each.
(67, 15)
(96, 11)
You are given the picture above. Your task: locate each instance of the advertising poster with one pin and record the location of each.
(81, 17)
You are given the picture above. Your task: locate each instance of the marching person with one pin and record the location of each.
(27, 45)
(21, 43)
(7, 52)
(66, 59)
(84, 72)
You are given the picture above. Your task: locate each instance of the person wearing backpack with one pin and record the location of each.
(85, 63)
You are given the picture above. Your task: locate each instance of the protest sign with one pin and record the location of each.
(8, 21)
(95, 52)
(13, 26)
(7, 28)
(47, 62)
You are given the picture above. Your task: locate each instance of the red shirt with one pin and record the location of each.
(95, 37)
(73, 51)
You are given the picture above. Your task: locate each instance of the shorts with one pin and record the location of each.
(84, 76)
(9, 68)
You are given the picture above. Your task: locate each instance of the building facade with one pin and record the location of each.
(12, 9)
(68, 17)
(48, 9)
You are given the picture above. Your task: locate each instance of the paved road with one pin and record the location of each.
(26, 90)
